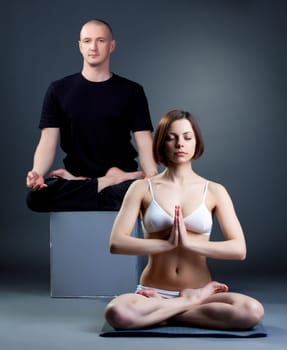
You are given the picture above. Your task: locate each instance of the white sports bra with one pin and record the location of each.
(157, 219)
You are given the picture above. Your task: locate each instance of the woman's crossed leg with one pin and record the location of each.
(211, 307)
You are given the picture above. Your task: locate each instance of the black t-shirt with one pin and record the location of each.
(96, 120)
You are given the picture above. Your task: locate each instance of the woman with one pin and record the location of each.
(176, 208)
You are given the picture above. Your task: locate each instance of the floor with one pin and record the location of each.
(30, 319)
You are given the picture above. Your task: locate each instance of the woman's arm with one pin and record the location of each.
(121, 241)
(233, 247)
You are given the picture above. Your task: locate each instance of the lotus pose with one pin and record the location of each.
(91, 112)
(177, 208)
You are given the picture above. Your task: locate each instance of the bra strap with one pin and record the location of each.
(150, 188)
(205, 191)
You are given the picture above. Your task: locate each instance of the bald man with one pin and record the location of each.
(96, 113)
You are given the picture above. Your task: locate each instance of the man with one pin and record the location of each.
(94, 112)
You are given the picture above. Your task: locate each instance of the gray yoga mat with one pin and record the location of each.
(182, 331)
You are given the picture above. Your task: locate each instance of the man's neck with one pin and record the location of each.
(95, 74)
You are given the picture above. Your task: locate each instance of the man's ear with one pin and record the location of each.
(113, 46)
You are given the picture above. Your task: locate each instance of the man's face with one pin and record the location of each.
(96, 44)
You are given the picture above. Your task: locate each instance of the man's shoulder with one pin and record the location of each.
(125, 81)
(67, 80)
(63, 86)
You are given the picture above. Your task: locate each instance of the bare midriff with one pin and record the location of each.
(177, 269)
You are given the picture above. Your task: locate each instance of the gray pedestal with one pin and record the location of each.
(81, 264)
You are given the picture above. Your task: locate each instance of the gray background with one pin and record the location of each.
(223, 60)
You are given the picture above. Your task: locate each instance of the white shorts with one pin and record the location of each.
(167, 294)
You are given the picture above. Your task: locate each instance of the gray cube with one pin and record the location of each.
(81, 264)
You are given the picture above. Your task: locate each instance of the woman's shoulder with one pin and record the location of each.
(212, 186)
(140, 185)
(136, 192)
(215, 186)
(217, 189)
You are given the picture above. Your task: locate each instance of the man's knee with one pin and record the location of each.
(111, 197)
(34, 201)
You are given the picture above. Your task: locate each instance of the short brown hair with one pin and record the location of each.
(163, 128)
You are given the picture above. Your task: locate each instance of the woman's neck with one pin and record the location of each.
(180, 173)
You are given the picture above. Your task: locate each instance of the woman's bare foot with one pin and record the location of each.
(148, 293)
(197, 296)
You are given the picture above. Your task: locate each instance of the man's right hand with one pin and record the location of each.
(35, 181)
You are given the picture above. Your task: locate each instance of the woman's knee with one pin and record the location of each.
(120, 314)
(250, 314)
(255, 312)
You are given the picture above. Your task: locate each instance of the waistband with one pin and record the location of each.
(168, 294)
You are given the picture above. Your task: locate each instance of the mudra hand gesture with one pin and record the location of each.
(178, 233)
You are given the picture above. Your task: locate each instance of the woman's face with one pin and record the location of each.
(180, 142)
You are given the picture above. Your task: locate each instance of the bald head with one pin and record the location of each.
(98, 22)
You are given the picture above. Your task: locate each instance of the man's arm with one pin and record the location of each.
(143, 141)
(43, 158)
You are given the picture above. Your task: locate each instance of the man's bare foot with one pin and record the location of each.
(64, 174)
(117, 175)
(197, 296)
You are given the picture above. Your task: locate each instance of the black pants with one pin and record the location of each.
(76, 195)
